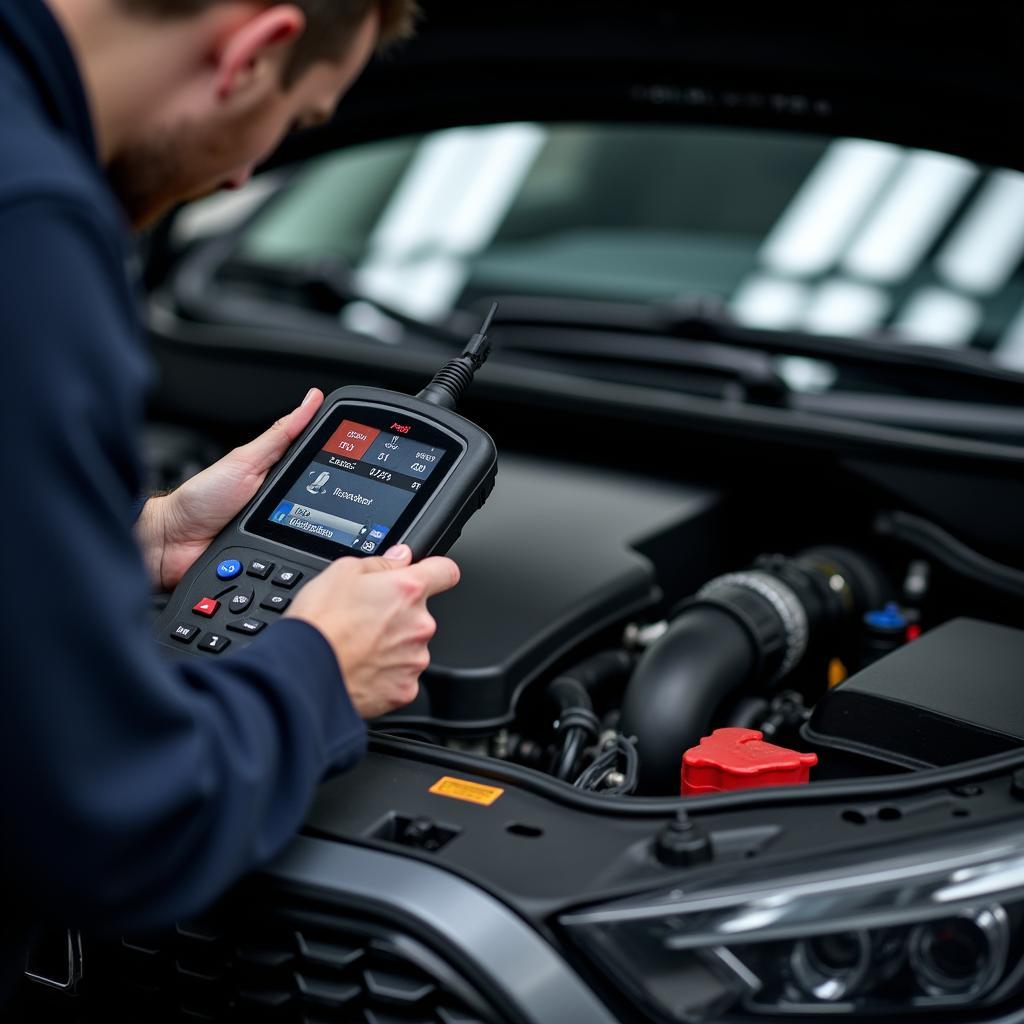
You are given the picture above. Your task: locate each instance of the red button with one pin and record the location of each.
(208, 606)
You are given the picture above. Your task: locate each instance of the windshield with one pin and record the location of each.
(840, 237)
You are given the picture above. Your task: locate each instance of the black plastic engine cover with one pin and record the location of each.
(953, 695)
(555, 557)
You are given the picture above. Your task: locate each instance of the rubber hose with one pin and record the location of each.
(951, 552)
(572, 747)
(679, 682)
(569, 693)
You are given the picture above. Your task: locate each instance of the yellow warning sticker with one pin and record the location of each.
(463, 789)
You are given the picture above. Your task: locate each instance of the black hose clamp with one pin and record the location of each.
(784, 602)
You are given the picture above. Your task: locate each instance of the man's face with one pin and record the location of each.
(195, 153)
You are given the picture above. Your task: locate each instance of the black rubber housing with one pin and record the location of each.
(449, 384)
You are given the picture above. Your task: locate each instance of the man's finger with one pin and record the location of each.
(437, 574)
(265, 450)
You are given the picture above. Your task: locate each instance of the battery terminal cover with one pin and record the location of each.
(735, 759)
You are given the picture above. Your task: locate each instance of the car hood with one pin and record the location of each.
(938, 79)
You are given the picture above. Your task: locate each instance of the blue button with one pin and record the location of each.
(229, 569)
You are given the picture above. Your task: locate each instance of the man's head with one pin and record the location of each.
(189, 95)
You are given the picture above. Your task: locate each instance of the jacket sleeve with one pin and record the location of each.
(134, 790)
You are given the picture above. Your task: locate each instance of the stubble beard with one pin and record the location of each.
(150, 177)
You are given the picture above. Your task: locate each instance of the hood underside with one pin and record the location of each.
(942, 79)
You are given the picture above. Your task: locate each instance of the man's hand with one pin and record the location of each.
(373, 612)
(175, 529)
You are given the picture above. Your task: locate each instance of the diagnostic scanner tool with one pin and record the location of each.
(374, 468)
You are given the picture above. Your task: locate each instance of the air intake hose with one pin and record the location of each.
(742, 630)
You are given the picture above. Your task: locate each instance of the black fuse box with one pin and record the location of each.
(954, 694)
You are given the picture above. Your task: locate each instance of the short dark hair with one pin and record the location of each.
(328, 23)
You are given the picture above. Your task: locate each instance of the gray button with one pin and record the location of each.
(250, 626)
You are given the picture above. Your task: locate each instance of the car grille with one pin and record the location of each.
(290, 964)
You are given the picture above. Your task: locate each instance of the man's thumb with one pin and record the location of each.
(397, 557)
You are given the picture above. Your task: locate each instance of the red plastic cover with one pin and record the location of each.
(731, 759)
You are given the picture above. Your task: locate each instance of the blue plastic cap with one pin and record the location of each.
(889, 617)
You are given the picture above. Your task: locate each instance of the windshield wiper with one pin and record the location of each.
(694, 345)
(326, 286)
(755, 373)
(914, 367)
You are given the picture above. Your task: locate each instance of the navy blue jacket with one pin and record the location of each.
(133, 792)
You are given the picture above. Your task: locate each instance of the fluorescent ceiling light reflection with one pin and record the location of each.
(846, 308)
(811, 376)
(429, 191)
(502, 168)
(987, 245)
(364, 318)
(1010, 350)
(939, 317)
(919, 203)
(450, 202)
(772, 303)
(817, 225)
(424, 289)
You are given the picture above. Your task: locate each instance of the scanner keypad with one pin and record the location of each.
(216, 613)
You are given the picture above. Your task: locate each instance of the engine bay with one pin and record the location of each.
(649, 611)
(608, 622)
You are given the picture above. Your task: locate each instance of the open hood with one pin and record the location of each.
(943, 79)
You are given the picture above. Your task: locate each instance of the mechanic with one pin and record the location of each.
(135, 791)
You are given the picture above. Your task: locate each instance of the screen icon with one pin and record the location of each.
(319, 484)
(281, 513)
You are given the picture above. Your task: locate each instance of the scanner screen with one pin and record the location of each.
(358, 485)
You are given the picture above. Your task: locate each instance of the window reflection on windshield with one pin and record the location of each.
(841, 237)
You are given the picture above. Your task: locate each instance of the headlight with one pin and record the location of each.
(882, 941)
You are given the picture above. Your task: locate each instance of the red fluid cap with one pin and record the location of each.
(731, 759)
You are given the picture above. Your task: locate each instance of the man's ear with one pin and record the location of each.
(256, 46)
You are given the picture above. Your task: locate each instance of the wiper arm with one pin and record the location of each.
(754, 372)
(706, 320)
(326, 286)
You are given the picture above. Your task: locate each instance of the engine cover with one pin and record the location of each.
(953, 695)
